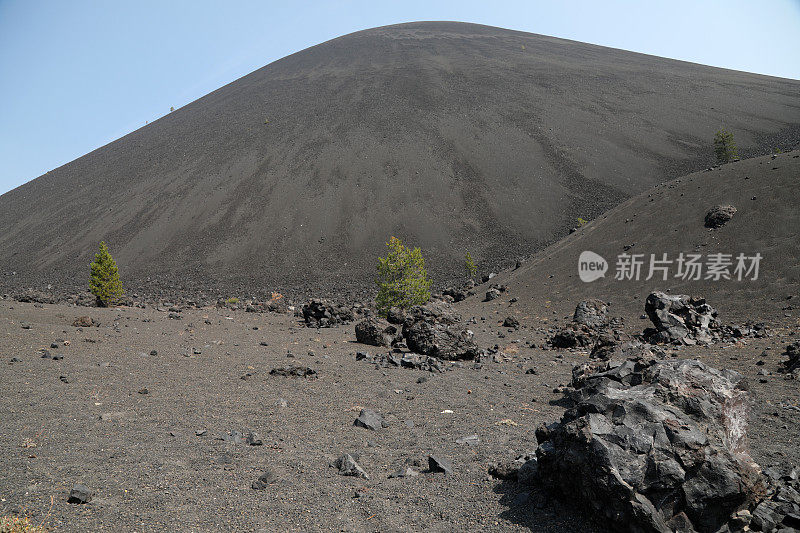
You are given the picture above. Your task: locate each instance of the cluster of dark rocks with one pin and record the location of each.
(458, 295)
(688, 320)
(326, 314)
(404, 360)
(591, 326)
(658, 445)
(431, 332)
(273, 305)
(792, 365)
(294, 371)
(494, 292)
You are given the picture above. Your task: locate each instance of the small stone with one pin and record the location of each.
(144, 391)
(63, 379)
(263, 481)
(153, 352)
(369, 419)
(404, 472)
(294, 371)
(348, 466)
(200, 432)
(253, 439)
(472, 440)
(282, 403)
(80, 494)
(437, 463)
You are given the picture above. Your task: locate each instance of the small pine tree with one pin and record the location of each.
(104, 278)
(469, 266)
(402, 278)
(724, 147)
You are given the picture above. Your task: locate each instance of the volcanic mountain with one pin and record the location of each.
(455, 137)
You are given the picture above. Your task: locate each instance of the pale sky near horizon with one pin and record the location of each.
(77, 75)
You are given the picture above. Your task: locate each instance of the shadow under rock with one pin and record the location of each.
(538, 511)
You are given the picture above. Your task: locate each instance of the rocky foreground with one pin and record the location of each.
(446, 419)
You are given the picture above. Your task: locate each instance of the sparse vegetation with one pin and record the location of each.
(724, 147)
(402, 278)
(582, 221)
(171, 109)
(104, 280)
(18, 524)
(469, 266)
(232, 300)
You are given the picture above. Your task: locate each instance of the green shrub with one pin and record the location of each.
(402, 278)
(582, 221)
(469, 266)
(724, 147)
(104, 278)
(18, 524)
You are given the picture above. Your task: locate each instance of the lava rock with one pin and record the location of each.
(324, 314)
(680, 319)
(348, 466)
(80, 494)
(433, 330)
(511, 322)
(404, 472)
(375, 332)
(84, 322)
(369, 419)
(506, 470)
(263, 481)
(437, 463)
(667, 434)
(294, 371)
(592, 313)
(492, 294)
(719, 215)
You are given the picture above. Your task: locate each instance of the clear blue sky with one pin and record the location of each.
(75, 75)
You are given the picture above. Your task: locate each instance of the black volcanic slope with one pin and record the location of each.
(456, 137)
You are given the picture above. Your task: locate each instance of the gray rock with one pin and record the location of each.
(434, 330)
(294, 371)
(492, 294)
(263, 481)
(348, 466)
(669, 436)
(374, 332)
(592, 313)
(253, 439)
(369, 419)
(80, 494)
(404, 472)
(437, 463)
(719, 215)
(469, 439)
(680, 319)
